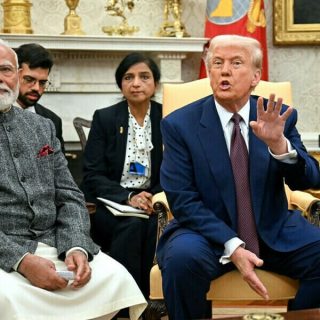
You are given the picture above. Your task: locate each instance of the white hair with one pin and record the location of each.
(250, 44)
(10, 95)
(6, 45)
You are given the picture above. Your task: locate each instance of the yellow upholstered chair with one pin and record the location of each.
(178, 95)
(230, 286)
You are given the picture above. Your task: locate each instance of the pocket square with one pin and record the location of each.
(44, 151)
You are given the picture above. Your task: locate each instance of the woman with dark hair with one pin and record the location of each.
(124, 136)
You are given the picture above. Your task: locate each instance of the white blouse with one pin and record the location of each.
(139, 148)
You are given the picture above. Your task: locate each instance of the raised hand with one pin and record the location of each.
(269, 126)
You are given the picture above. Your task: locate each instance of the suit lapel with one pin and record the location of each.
(38, 109)
(121, 124)
(214, 146)
(155, 117)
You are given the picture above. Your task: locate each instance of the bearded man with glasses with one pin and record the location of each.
(35, 63)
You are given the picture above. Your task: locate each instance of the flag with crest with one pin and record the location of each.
(242, 17)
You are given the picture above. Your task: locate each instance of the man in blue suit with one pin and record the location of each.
(203, 241)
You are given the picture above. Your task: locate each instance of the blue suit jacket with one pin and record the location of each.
(197, 177)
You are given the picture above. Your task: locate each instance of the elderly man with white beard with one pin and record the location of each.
(44, 225)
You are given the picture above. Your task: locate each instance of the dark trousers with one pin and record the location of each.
(129, 240)
(188, 265)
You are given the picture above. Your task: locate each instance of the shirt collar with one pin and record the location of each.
(225, 116)
(31, 108)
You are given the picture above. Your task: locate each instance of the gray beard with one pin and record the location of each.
(9, 98)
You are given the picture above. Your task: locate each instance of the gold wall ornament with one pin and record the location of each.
(72, 22)
(175, 27)
(16, 16)
(117, 8)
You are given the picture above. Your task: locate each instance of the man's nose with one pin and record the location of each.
(36, 85)
(226, 67)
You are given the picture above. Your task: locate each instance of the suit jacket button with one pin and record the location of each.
(23, 179)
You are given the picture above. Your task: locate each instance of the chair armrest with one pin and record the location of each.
(314, 192)
(161, 208)
(161, 198)
(300, 200)
(314, 214)
(306, 202)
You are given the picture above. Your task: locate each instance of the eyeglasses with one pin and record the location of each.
(30, 81)
(7, 70)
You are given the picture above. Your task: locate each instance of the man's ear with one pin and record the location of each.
(256, 78)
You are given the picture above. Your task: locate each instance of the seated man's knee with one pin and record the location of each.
(184, 254)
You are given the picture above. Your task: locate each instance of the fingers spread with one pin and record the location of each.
(270, 104)
(260, 108)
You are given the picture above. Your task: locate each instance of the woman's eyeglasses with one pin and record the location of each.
(30, 81)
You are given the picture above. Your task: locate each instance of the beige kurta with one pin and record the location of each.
(110, 289)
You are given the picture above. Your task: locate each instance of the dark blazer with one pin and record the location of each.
(105, 152)
(45, 112)
(196, 175)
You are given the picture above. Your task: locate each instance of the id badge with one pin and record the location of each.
(138, 169)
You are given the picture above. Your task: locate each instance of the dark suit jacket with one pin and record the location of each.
(45, 112)
(105, 152)
(196, 175)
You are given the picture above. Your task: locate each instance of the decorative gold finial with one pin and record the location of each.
(72, 22)
(117, 8)
(16, 16)
(176, 27)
